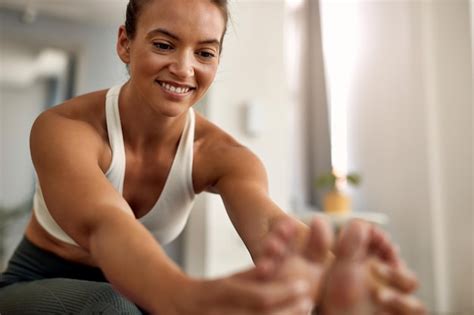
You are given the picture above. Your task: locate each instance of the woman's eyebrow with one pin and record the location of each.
(176, 37)
(163, 32)
(211, 42)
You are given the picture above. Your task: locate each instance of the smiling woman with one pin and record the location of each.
(170, 66)
(120, 179)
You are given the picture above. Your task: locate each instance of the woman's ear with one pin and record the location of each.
(123, 45)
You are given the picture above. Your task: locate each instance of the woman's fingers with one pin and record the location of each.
(360, 240)
(275, 247)
(264, 297)
(285, 229)
(388, 267)
(278, 244)
(397, 303)
(381, 246)
(400, 277)
(302, 307)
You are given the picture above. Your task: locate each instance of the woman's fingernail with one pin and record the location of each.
(301, 287)
(306, 305)
(383, 270)
(385, 296)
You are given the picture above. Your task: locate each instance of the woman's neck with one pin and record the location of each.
(143, 127)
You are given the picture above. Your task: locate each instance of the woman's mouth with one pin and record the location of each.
(175, 89)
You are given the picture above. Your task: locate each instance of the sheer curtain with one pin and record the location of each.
(406, 73)
(311, 148)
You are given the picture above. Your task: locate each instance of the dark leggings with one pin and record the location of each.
(39, 282)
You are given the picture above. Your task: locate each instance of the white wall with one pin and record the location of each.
(410, 135)
(252, 69)
(94, 45)
(386, 130)
(18, 108)
(452, 100)
(98, 67)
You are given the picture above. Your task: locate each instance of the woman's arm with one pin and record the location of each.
(65, 154)
(243, 187)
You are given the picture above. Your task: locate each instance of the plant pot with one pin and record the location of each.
(336, 201)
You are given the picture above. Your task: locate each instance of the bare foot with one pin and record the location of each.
(346, 289)
(368, 277)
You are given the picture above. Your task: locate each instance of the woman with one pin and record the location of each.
(138, 152)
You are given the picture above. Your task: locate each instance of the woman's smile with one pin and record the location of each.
(175, 91)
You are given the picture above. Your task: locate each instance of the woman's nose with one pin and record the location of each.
(182, 66)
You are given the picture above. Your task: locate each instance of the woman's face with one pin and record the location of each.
(174, 55)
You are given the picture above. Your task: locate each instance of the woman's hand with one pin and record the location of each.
(246, 293)
(280, 251)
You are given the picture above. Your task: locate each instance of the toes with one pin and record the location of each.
(346, 291)
(353, 243)
(320, 241)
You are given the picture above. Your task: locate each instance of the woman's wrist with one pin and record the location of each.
(185, 296)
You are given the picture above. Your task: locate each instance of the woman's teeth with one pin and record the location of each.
(174, 89)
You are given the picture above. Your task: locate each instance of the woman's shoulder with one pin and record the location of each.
(86, 107)
(80, 117)
(87, 110)
(211, 139)
(217, 153)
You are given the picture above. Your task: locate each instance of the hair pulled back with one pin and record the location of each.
(135, 7)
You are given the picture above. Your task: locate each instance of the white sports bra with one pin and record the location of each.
(170, 213)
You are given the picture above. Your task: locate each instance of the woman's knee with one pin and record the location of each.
(65, 296)
(105, 300)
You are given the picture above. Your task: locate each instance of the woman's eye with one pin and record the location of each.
(162, 46)
(206, 54)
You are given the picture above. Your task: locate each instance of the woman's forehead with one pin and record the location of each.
(196, 18)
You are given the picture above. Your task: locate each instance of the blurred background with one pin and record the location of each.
(380, 87)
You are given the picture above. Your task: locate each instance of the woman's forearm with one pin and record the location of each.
(136, 266)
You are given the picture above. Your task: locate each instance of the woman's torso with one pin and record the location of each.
(146, 171)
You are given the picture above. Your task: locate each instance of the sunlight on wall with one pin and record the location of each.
(341, 40)
(294, 4)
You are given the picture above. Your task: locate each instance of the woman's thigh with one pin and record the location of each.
(64, 296)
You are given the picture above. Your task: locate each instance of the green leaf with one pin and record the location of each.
(353, 179)
(326, 181)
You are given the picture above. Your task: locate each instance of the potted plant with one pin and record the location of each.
(335, 200)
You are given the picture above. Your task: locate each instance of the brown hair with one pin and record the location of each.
(135, 7)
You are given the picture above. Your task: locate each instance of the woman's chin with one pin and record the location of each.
(173, 110)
